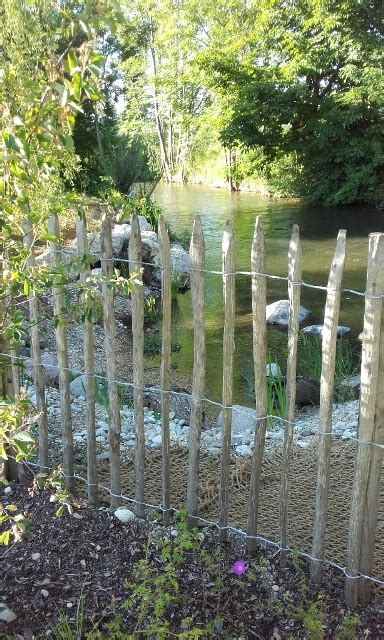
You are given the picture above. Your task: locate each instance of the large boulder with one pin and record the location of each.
(307, 391)
(278, 313)
(50, 369)
(316, 330)
(181, 265)
(243, 419)
(180, 402)
(69, 262)
(120, 239)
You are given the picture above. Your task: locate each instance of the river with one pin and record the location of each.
(318, 231)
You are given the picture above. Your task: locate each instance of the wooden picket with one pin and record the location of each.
(62, 354)
(114, 417)
(89, 359)
(135, 257)
(368, 398)
(228, 358)
(327, 384)
(259, 302)
(165, 373)
(197, 255)
(38, 373)
(294, 290)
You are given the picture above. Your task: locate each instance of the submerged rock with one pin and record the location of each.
(317, 330)
(278, 313)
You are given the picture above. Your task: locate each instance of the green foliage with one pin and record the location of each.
(347, 629)
(151, 310)
(308, 88)
(153, 343)
(313, 619)
(310, 357)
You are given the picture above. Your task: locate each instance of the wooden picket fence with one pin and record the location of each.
(364, 499)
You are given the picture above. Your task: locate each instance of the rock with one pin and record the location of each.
(181, 265)
(244, 450)
(157, 440)
(49, 366)
(123, 514)
(278, 313)
(69, 260)
(303, 444)
(6, 614)
(273, 370)
(243, 419)
(44, 593)
(102, 457)
(347, 434)
(36, 556)
(77, 386)
(317, 330)
(350, 386)
(180, 401)
(307, 390)
(8, 490)
(120, 239)
(144, 224)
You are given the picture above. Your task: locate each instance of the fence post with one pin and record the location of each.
(62, 354)
(114, 417)
(294, 291)
(135, 257)
(327, 385)
(368, 394)
(89, 360)
(371, 508)
(259, 301)
(197, 255)
(38, 373)
(166, 303)
(228, 255)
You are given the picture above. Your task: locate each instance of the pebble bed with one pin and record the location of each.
(344, 417)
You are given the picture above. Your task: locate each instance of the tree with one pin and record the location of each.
(162, 81)
(310, 88)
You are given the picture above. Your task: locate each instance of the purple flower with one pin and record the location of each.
(239, 567)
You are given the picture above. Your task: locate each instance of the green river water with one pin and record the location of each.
(318, 231)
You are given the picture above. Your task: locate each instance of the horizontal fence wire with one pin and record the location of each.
(185, 394)
(271, 276)
(235, 530)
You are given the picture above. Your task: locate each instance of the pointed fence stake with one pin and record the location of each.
(259, 301)
(38, 373)
(228, 254)
(89, 361)
(197, 255)
(135, 267)
(327, 387)
(368, 397)
(165, 374)
(114, 418)
(294, 290)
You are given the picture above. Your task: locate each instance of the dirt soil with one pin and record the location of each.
(88, 559)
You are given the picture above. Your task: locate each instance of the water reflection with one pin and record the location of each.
(318, 232)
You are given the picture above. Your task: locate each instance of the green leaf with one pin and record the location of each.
(11, 507)
(24, 436)
(5, 538)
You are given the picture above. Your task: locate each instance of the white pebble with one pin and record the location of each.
(7, 615)
(44, 593)
(8, 490)
(36, 556)
(123, 514)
